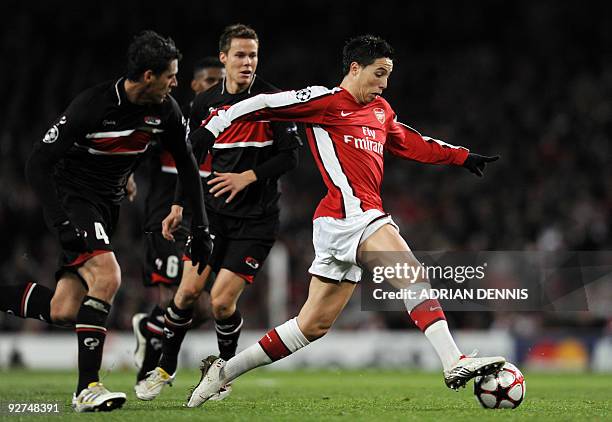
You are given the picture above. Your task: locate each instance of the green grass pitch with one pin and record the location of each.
(321, 395)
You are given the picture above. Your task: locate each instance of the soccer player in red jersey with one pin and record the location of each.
(350, 127)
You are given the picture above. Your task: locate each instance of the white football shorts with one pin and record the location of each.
(336, 241)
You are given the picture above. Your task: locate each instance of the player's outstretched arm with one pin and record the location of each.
(306, 105)
(405, 142)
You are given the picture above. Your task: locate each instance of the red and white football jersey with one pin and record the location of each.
(347, 140)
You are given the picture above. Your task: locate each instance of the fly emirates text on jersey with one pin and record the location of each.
(368, 142)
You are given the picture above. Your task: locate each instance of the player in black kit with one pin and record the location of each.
(162, 265)
(242, 205)
(79, 171)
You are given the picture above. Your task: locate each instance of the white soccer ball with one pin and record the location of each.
(504, 389)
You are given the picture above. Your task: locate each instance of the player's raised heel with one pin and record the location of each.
(141, 341)
(97, 398)
(150, 387)
(210, 382)
(469, 367)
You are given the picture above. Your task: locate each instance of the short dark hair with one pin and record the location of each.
(205, 63)
(237, 30)
(150, 51)
(364, 50)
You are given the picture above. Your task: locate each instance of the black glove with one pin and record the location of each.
(73, 238)
(200, 247)
(476, 163)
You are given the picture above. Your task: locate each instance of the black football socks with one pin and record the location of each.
(228, 331)
(91, 333)
(29, 300)
(177, 323)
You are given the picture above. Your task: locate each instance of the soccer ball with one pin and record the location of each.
(504, 389)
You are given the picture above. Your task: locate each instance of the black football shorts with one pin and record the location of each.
(240, 245)
(163, 259)
(98, 219)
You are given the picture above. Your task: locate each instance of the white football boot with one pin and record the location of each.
(210, 382)
(469, 367)
(152, 385)
(223, 393)
(141, 341)
(97, 398)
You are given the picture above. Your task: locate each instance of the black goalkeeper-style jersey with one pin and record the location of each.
(93, 147)
(269, 149)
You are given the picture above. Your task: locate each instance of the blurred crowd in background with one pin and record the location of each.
(531, 81)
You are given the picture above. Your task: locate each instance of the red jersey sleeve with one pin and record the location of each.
(307, 105)
(405, 142)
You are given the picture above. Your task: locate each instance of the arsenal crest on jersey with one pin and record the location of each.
(380, 114)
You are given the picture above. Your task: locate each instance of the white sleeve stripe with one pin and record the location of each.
(442, 143)
(428, 139)
(224, 118)
(256, 144)
(121, 133)
(94, 151)
(173, 170)
(97, 135)
(407, 127)
(27, 299)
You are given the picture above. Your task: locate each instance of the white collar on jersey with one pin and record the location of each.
(117, 91)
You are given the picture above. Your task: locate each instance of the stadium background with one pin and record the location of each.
(530, 80)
